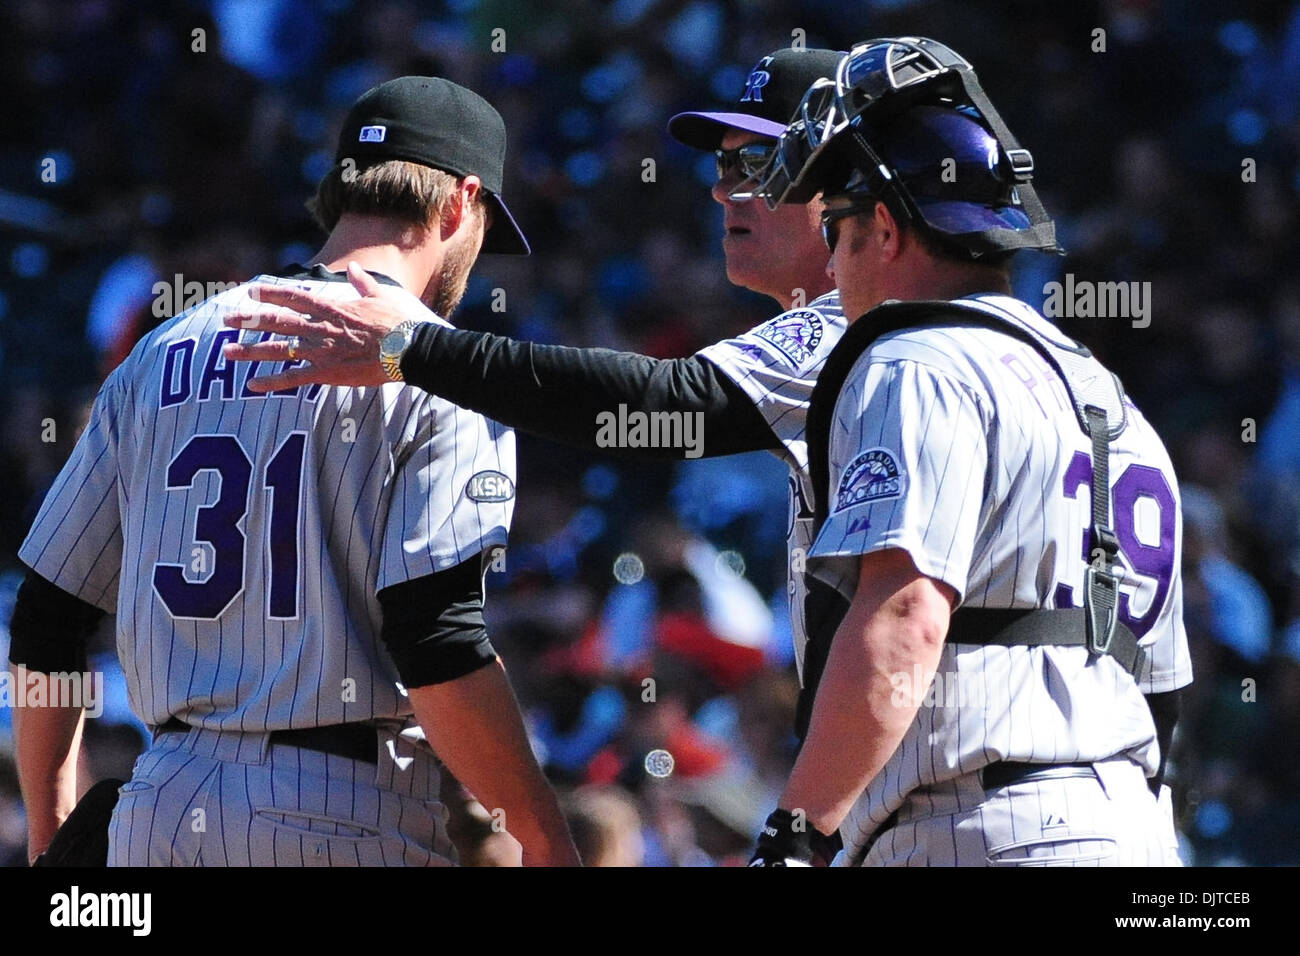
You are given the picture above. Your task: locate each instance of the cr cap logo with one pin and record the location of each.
(872, 476)
(372, 134)
(796, 334)
(758, 78)
(490, 486)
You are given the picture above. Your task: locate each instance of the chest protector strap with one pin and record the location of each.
(1098, 399)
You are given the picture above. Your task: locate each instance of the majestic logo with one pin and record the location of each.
(372, 134)
(860, 523)
(758, 79)
(796, 334)
(873, 476)
(490, 486)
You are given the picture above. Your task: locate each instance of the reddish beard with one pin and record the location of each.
(448, 287)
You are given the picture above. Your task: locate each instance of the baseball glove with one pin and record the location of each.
(83, 838)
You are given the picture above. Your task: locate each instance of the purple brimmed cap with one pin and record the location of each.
(772, 92)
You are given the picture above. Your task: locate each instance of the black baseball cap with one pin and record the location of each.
(435, 122)
(773, 91)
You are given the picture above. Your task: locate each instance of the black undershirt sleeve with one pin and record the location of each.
(1165, 709)
(50, 628)
(557, 392)
(433, 625)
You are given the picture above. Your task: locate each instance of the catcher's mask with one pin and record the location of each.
(906, 121)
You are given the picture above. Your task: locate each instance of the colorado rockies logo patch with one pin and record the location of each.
(795, 334)
(872, 476)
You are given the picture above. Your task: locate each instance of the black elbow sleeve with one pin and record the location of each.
(1165, 709)
(561, 393)
(433, 625)
(50, 628)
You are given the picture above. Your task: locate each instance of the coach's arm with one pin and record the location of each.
(897, 622)
(434, 630)
(48, 635)
(553, 391)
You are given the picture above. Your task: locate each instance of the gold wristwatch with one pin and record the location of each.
(394, 345)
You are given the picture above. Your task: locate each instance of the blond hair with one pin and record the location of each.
(408, 192)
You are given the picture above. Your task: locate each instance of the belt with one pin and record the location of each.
(1004, 773)
(350, 741)
(1000, 773)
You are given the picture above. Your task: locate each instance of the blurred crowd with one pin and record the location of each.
(643, 609)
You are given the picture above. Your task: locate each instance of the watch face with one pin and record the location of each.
(394, 342)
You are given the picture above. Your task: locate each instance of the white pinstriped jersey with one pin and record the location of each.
(777, 365)
(241, 539)
(961, 447)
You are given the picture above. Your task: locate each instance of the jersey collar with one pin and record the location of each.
(318, 271)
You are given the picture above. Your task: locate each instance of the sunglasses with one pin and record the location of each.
(750, 159)
(831, 217)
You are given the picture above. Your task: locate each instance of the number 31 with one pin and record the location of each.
(218, 525)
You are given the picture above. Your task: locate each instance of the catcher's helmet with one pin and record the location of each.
(906, 121)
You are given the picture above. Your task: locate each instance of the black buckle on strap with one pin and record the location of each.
(1103, 609)
(1104, 537)
(1022, 164)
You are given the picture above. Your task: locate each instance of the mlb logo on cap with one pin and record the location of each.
(432, 122)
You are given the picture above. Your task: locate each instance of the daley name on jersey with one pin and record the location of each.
(216, 378)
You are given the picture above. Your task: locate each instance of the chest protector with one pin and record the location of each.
(1098, 399)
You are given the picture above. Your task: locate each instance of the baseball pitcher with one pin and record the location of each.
(298, 576)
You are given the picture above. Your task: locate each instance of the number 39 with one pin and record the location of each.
(1152, 561)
